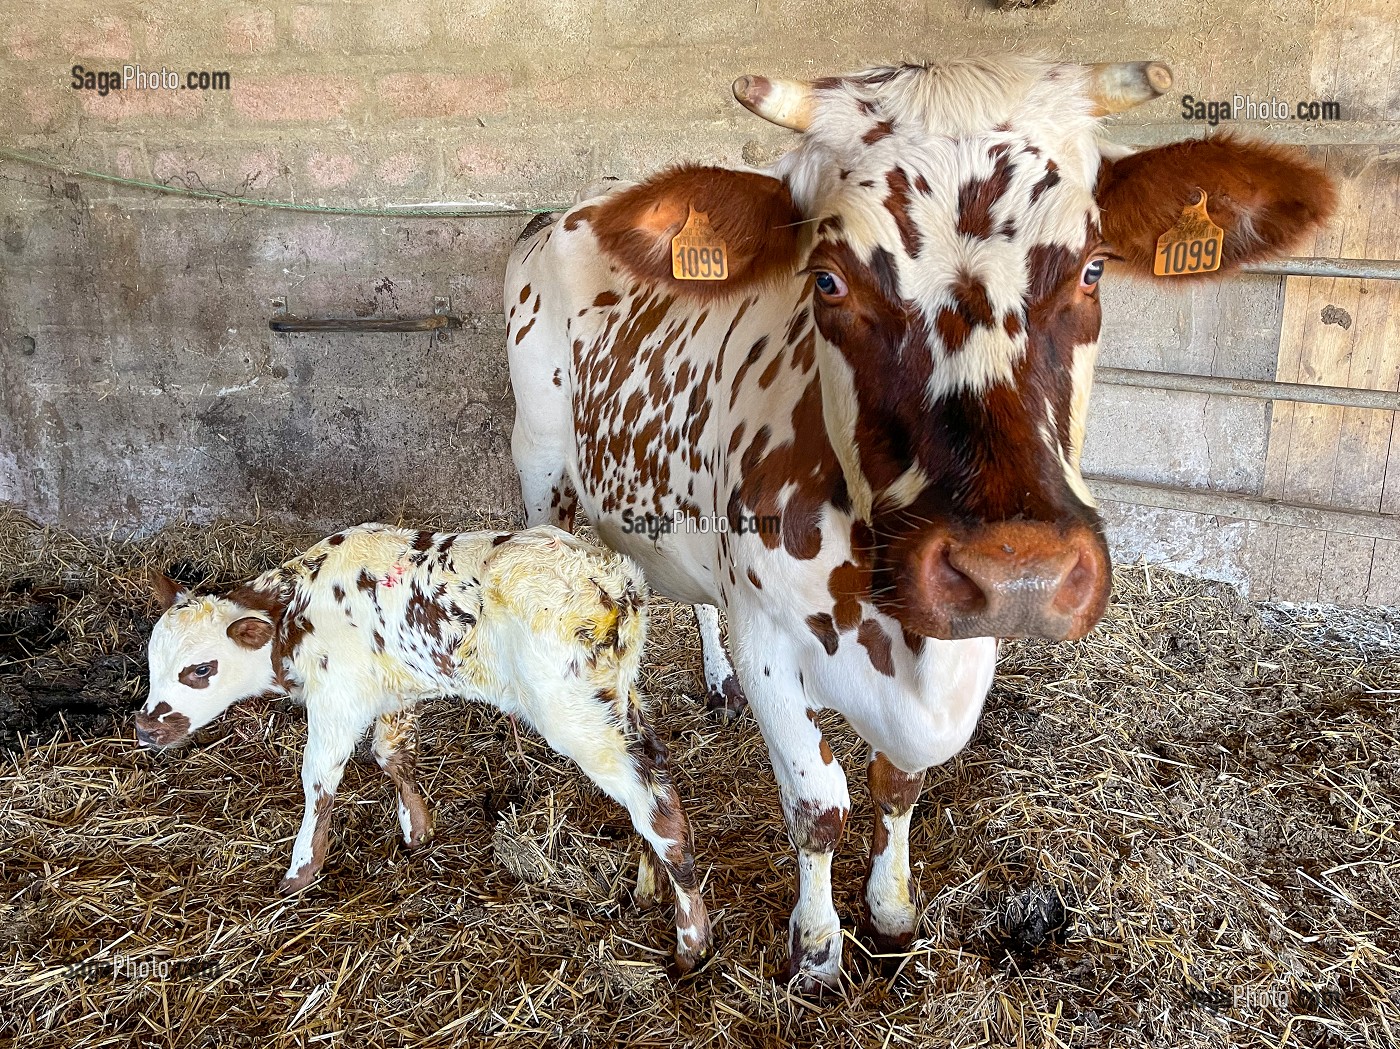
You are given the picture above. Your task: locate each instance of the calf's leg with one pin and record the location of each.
(723, 696)
(330, 740)
(395, 749)
(613, 743)
(889, 903)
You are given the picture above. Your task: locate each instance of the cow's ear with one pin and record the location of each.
(168, 592)
(1265, 197)
(752, 214)
(251, 632)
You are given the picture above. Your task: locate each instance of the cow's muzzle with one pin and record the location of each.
(1006, 579)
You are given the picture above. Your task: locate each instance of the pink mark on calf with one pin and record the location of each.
(393, 577)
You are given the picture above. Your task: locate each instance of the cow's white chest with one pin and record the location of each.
(925, 713)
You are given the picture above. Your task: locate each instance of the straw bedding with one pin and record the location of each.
(1179, 832)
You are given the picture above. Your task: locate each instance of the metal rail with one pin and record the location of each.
(1249, 508)
(1258, 389)
(1365, 269)
(435, 322)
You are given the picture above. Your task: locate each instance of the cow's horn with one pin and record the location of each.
(1116, 86)
(787, 103)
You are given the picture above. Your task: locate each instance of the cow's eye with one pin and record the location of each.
(830, 286)
(1092, 273)
(203, 670)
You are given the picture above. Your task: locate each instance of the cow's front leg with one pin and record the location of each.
(395, 750)
(889, 904)
(723, 696)
(815, 804)
(330, 740)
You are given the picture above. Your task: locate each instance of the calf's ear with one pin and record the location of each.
(752, 214)
(168, 592)
(250, 632)
(1265, 197)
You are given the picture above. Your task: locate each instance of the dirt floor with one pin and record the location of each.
(1179, 832)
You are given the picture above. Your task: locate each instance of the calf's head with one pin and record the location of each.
(952, 223)
(206, 653)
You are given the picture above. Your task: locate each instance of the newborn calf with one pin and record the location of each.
(369, 622)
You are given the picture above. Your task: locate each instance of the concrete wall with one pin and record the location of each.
(139, 381)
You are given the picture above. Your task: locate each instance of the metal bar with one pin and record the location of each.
(1367, 269)
(1249, 508)
(437, 322)
(1259, 389)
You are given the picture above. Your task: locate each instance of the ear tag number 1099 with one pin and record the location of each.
(697, 252)
(1192, 245)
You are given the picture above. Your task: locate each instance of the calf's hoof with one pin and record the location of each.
(418, 833)
(648, 892)
(295, 881)
(728, 701)
(694, 944)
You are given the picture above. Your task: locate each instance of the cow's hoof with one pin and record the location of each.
(816, 971)
(885, 942)
(727, 702)
(887, 950)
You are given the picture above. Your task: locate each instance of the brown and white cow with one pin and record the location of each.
(891, 384)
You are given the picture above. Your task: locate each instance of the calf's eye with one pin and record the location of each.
(829, 285)
(1092, 273)
(203, 670)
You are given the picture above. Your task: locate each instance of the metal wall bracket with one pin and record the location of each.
(440, 320)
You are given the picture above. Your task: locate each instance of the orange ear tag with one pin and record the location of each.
(1193, 245)
(697, 253)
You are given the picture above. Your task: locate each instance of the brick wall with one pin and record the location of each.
(138, 380)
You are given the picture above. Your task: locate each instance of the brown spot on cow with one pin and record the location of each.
(883, 129)
(191, 677)
(877, 646)
(574, 219)
(847, 584)
(816, 829)
(1049, 180)
(893, 792)
(753, 578)
(823, 628)
(827, 756)
(971, 309)
(978, 196)
(897, 204)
